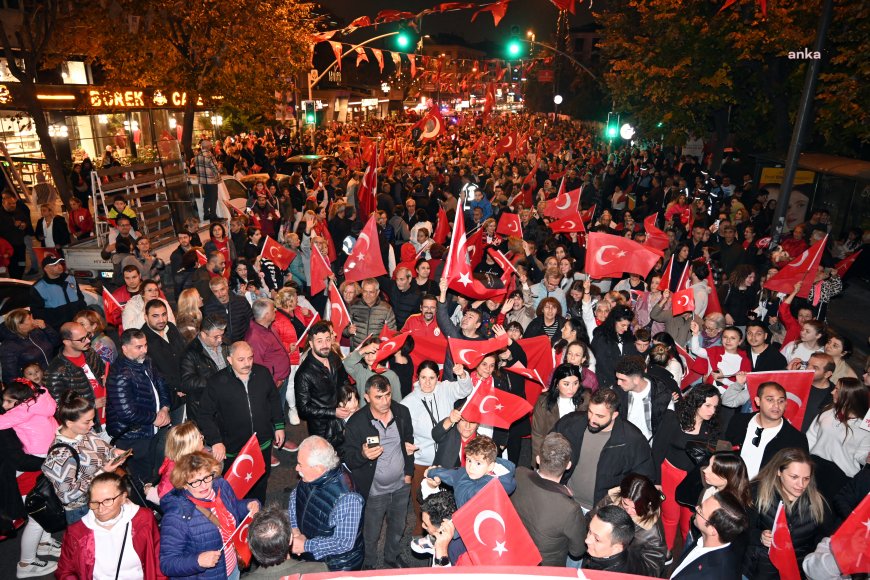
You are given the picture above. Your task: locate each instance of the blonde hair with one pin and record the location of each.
(769, 482)
(283, 297)
(182, 440)
(188, 303)
(15, 317)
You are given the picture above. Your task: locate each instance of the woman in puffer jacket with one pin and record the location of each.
(638, 496)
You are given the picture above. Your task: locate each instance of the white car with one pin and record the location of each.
(15, 293)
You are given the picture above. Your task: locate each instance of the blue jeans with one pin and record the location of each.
(394, 507)
(235, 574)
(74, 515)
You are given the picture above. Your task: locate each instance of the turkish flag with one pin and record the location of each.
(201, 258)
(843, 265)
(696, 368)
(337, 49)
(247, 468)
(278, 254)
(506, 144)
(338, 313)
(534, 383)
(112, 308)
(240, 540)
(431, 125)
(665, 282)
(492, 530)
(608, 255)
(491, 406)
(386, 333)
(588, 214)
(475, 247)
(527, 189)
(365, 260)
(469, 353)
(489, 100)
(801, 269)
(428, 347)
(301, 339)
(781, 552)
(850, 544)
(391, 346)
(463, 255)
(655, 238)
(713, 304)
(564, 205)
(323, 231)
(368, 187)
(509, 225)
(233, 209)
(320, 271)
(441, 227)
(539, 355)
(568, 225)
(682, 301)
(797, 385)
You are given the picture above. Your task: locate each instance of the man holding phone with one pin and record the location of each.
(379, 451)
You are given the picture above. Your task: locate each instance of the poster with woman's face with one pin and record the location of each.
(799, 200)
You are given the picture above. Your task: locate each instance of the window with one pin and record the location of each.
(74, 73)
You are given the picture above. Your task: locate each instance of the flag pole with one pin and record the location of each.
(227, 543)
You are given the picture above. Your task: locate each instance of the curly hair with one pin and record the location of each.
(687, 407)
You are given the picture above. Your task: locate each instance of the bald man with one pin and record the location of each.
(238, 401)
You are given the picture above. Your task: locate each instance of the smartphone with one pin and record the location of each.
(122, 457)
(373, 441)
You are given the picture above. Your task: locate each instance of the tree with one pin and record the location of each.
(29, 46)
(238, 51)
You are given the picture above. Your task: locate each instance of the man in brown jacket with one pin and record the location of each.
(546, 507)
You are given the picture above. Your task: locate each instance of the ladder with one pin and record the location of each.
(12, 175)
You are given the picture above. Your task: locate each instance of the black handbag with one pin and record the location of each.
(699, 451)
(42, 503)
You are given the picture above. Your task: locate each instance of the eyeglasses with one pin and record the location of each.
(700, 515)
(757, 439)
(85, 338)
(198, 482)
(106, 503)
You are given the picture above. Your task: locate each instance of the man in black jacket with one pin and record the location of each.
(468, 328)
(317, 382)
(643, 398)
(602, 438)
(239, 401)
(379, 451)
(404, 296)
(79, 368)
(204, 356)
(721, 519)
(763, 356)
(137, 406)
(166, 345)
(231, 306)
(760, 435)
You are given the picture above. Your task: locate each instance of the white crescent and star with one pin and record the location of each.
(463, 358)
(569, 224)
(567, 203)
(241, 459)
(436, 128)
(794, 398)
(599, 255)
(684, 300)
(490, 515)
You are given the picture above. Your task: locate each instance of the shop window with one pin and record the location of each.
(5, 74)
(74, 72)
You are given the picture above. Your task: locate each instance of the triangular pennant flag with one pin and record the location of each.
(337, 50)
(361, 55)
(379, 56)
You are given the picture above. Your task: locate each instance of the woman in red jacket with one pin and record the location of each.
(115, 539)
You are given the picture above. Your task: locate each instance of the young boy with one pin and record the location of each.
(119, 206)
(481, 465)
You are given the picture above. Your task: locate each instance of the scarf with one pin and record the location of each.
(707, 341)
(226, 523)
(485, 384)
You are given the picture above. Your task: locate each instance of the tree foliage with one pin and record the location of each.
(240, 50)
(698, 70)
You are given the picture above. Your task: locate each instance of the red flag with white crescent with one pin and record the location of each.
(573, 224)
(850, 544)
(655, 238)
(247, 469)
(797, 385)
(388, 348)
(781, 553)
(587, 214)
(365, 260)
(240, 540)
(506, 143)
(696, 368)
(112, 308)
(491, 406)
(683, 301)
(713, 304)
(320, 271)
(493, 532)
(469, 353)
(276, 253)
(803, 269)
(509, 225)
(534, 383)
(843, 265)
(431, 125)
(608, 255)
(564, 205)
(338, 314)
(539, 355)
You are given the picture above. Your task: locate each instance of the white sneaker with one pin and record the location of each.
(35, 568)
(293, 415)
(50, 548)
(423, 545)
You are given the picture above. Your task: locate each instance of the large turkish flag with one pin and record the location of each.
(247, 468)
(797, 386)
(608, 255)
(492, 530)
(850, 544)
(802, 269)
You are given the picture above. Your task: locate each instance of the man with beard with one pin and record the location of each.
(202, 276)
(233, 307)
(429, 342)
(318, 381)
(601, 437)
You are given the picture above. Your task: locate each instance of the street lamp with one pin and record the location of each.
(557, 99)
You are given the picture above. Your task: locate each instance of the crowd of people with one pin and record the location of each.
(643, 438)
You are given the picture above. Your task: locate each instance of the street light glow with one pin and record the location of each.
(557, 99)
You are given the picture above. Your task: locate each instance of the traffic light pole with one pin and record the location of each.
(312, 81)
(565, 54)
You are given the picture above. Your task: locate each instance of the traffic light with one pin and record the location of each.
(611, 131)
(407, 39)
(308, 112)
(514, 48)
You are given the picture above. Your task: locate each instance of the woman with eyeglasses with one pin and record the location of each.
(70, 474)
(115, 539)
(199, 518)
(788, 478)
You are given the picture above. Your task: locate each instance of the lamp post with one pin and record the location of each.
(557, 100)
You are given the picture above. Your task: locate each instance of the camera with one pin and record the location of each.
(373, 441)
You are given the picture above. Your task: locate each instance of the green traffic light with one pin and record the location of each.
(514, 48)
(612, 132)
(403, 40)
(660, 124)
(309, 118)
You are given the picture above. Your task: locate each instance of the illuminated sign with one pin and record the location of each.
(126, 99)
(158, 99)
(5, 95)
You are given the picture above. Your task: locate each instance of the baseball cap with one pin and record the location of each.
(51, 261)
